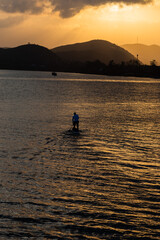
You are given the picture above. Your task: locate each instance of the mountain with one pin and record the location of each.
(101, 50)
(93, 57)
(29, 57)
(146, 53)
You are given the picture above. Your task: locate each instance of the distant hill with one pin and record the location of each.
(93, 57)
(146, 54)
(28, 57)
(101, 50)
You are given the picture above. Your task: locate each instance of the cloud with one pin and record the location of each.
(11, 21)
(72, 7)
(66, 8)
(22, 6)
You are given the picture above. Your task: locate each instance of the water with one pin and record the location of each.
(101, 184)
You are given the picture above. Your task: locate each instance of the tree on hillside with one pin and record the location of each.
(153, 63)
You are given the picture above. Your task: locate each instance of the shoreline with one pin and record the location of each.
(132, 75)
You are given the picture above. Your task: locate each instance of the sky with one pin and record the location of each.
(53, 23)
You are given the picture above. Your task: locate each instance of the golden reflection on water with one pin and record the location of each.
(100, 184)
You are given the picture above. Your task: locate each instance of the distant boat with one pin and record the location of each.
(54, 74)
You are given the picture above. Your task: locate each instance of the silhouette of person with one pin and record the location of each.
(75, 121)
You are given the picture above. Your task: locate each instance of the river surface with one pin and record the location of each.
(101, 184)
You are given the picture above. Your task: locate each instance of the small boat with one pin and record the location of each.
(54, 74)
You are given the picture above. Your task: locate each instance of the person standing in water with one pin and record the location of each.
(75, 121)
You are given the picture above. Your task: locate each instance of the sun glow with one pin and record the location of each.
(117, 23)
(119, 13)
(114, 8)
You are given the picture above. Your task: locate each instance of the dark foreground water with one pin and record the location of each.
(101, 184)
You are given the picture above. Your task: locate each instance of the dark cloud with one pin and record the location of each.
(32, 6)
(66, 8)
(72, 7)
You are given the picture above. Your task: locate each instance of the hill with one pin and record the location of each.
(101, 50)
(95, 57)
(29, 57)
(146, 54)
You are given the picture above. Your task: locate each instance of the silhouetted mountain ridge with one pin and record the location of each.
(146, 53)
(29, 57)
(96, 57)
(93, 50)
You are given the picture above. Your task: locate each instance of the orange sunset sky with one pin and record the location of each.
(56, 22)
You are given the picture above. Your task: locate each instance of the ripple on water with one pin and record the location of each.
(100, 184)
